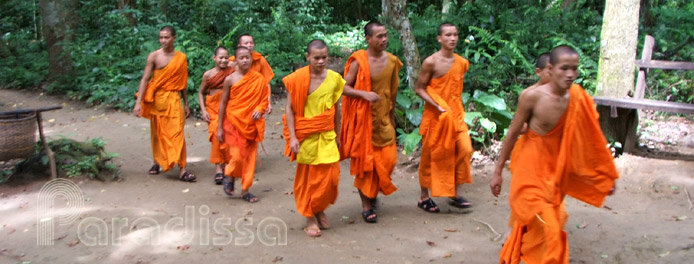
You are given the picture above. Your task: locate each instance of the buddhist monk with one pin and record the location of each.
(259, 64)
(242, 125)
(368, 127)
(446, 147)
(563, 153)
(159, 99)
(311, 131)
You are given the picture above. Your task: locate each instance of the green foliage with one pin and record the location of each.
(24, 60)
(487, 116)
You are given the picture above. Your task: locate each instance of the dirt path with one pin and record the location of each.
(647, 221)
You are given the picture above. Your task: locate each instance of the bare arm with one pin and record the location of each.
(201, 97)
(351, 79)
(423, 80)
(338, 117)
(268, 110)
(294, 144)
(523, 114)
(223, 108)
(146, 75)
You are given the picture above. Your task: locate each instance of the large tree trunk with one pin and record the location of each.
(616, 68)
(59, 21)
(396, 15)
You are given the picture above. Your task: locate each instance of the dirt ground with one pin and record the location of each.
(648, 220)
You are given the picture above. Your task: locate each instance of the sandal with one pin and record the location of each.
(368, 213)
(218, 178)
(188, 177)
(313, 231)
(459, 202)
(228, 185)
(428, 205)
(322, 222)
(154, 170)
(249, 197)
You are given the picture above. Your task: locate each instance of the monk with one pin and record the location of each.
(368, 111)
(259, 64)
(159, 99)
(446, 147)
(563, 153)
(211, 85)
(241, 126)
(311, 131)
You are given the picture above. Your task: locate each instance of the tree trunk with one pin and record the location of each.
(395, 13)
(618, 43)
(59, 21)
(122, 4)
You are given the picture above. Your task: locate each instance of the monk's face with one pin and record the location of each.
(565, 71)
(221, 58)
(543, 74)
(378, 39)
(243, 59)
(247, 42)
(448, 37)
(317, 58)
(166, 39)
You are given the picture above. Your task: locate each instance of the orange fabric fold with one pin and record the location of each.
(315, 187)
(572, 160)
(212, 102)
(241, 133)
(357, 122)
(378, 180)
(259, 64)
(446, 145)
(173, 77)
(297, 84)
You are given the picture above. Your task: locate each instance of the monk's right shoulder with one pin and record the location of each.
(529, 95)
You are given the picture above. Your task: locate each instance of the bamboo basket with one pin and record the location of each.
(17, 135)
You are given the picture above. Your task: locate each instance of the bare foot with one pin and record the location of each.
(312, 228)
(323, 222)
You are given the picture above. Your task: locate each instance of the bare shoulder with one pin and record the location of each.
(233, 78)
(530, 95)
(430, 61)
(209, 73)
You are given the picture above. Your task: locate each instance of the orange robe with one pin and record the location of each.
(259, 64)
(217, 155)
(446, 145)
(572, 160)
(367, 135)
(161, 104)
(315, 186)
(241, 133)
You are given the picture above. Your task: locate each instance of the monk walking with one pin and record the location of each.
(368, 128)
(259, 64)
(563, 153)
(211, 85)
(446, 148)
(312, 122)
(242, 125)
(159, 99)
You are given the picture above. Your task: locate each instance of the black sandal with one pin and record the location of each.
(154, 170)
(248, 197)
(228, 185)
(218, 178)
(367, 214)
(460, 202)
(428, 205)
(188, 177)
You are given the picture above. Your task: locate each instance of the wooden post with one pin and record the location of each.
(49, 152)
(640, 90)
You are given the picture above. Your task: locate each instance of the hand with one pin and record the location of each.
(613, 190)
(294, 145)
(220, 135)
(337, 140)
(186, 109)
(371, 97)
(269, 109)
(206, 116)
(441, 110)
(137, 110)
(495, 184)
(256, 115)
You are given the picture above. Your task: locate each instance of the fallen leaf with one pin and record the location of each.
(73, 243)
(51, 120)
(451, 230)
(277, 123)
(183, 248)
(582, 225)
(277, 259)
(215, 212)
(197, 124)
(185, 190)
(603, 256)
(664, 254)
(268, 190)
(431, 244)
(681, 218)
(61, 237)
(448, 255)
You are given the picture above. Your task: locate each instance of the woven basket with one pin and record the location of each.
(17, 135)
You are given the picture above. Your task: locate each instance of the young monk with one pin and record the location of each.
(446, 148)
(159, 99)
(244, 100)
(311, 131)
(259, 64)
(212, 84)
(563, 153)
(368, 112)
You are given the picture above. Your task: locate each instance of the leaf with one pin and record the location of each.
(488, 125)
(404, 101)
(431, 244)
(414, 116)
(470, 117)
(465, 97)
(492, 101)
(411, 141)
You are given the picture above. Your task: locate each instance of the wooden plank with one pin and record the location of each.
(26, 111)
(640, 85)
(646, 53)
(668, 65)
(656, 105)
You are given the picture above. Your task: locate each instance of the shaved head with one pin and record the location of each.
(169, 29)
(559, 51)
(443, 25)
(238, 41)
(315, 44)
(220, 48)
(542, 60)
(368, 29)
(241, 49)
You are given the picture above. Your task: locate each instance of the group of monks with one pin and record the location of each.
(554, 142)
